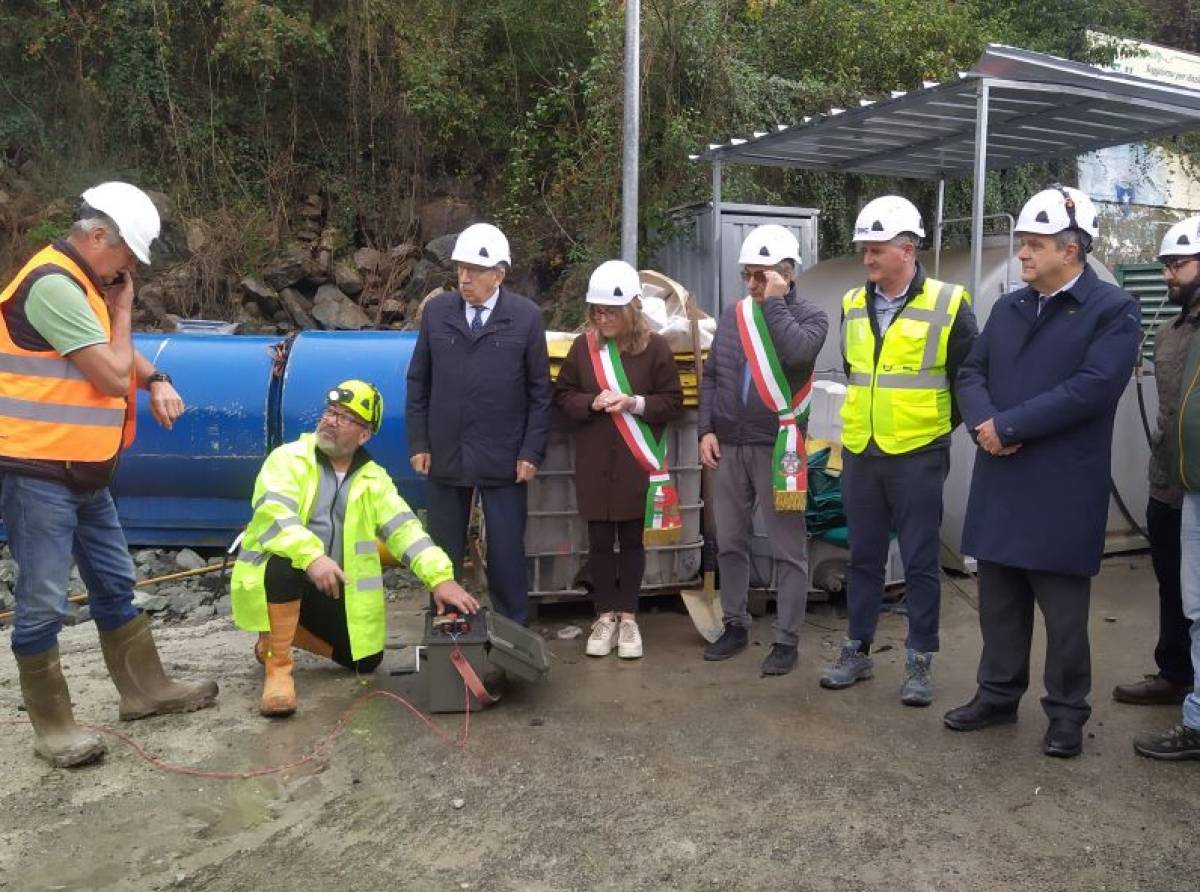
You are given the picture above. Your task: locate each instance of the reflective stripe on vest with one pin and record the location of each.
(48, 408)
(902, 401)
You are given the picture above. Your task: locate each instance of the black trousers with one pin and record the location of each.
(904, 493)
(320, 615)
(1173, 651)
(616, 577)
(1006, 599)
(504, 509)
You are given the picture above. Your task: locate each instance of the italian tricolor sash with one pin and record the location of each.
(662, 523)
(789, 464)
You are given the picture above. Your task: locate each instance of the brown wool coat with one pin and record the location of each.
(609, 483)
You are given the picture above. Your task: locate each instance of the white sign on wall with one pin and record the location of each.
(1140, 174)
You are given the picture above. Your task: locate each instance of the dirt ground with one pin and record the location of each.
(667, 773)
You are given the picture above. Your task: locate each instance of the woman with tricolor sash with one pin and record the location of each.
(620, 386)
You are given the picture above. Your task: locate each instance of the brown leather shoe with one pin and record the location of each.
(1153, 690)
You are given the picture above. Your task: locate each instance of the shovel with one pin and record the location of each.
(704, 607)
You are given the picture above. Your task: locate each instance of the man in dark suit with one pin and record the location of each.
(1039, 392)
(478, 411)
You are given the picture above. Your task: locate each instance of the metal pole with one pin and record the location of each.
(937, 229)
(716, 239)
(977, 199)
(629, 164)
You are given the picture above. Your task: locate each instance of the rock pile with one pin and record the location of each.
(317, 279)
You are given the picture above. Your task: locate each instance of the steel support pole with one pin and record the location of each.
(980, 184)
(937, 229)
(716, 239)
(629, 164)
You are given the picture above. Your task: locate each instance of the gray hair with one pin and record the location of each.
(91, 219)
(904, 238)
(1081, 240)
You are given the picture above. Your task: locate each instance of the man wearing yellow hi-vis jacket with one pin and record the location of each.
(308, 573)
(904, 336)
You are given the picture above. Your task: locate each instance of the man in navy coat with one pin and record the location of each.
(478, 411)
(1039, 392)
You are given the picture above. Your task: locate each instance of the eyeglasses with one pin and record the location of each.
(607, 312)
(1175, 264)
(334, 418)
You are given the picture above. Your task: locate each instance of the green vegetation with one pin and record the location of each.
(238, 108)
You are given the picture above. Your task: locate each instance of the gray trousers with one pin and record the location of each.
(744, 481)
(1006, 599)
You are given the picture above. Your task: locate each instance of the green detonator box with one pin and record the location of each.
(462, 654)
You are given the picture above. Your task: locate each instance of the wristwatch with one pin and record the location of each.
(158, 376)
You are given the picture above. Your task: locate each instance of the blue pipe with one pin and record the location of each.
(191, 486)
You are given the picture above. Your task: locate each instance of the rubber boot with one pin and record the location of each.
(279, 689)
(136, 670)
(57, 738)
(304, 639)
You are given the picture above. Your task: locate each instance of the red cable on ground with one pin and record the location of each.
(459, 742)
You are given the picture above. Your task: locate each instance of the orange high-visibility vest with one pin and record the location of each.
(49, 410)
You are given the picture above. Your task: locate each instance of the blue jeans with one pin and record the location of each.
(1189, 541)
(48, 524)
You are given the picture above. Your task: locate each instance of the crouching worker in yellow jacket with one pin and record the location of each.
(308, 574)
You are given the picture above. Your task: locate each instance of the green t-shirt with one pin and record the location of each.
(60, 312)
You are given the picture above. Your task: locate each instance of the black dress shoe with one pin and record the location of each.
(733, 640)
(979, 714)
(780, 660)
(1064, 739)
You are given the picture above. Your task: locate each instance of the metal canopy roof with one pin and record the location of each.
(1036, 107)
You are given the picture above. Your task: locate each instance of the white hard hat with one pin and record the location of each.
(614, 283)
(481, 244)
(132, 210)
(768, 244)
(1182, 239)
(1056, 209)
(886, 217)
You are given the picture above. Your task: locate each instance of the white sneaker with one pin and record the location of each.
(604, 634)
(629, 640)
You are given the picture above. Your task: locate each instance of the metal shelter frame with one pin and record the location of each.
(1015, 106)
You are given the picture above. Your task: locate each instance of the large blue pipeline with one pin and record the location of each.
(192, 485)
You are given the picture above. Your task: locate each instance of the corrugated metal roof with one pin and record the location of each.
(1039, 107)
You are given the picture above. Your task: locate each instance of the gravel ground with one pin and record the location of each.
(664, 773)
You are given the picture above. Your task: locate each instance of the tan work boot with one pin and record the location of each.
(136, 670)
(57, 738)
(304, 639)
(279, 689)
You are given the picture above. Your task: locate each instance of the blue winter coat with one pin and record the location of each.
(1051, 383)
(479, 402)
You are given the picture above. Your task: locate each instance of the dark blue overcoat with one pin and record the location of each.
(478, 402)
(1051, 383)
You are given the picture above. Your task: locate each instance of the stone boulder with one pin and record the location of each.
(445, 214)
(347, 279)
(292, 266)
(367, 260)
(298, 307)
(334, 310)
(439, 250)
(261, 295)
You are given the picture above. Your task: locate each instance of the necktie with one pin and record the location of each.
(1043, 299)
(746, 384)
(477, 319)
